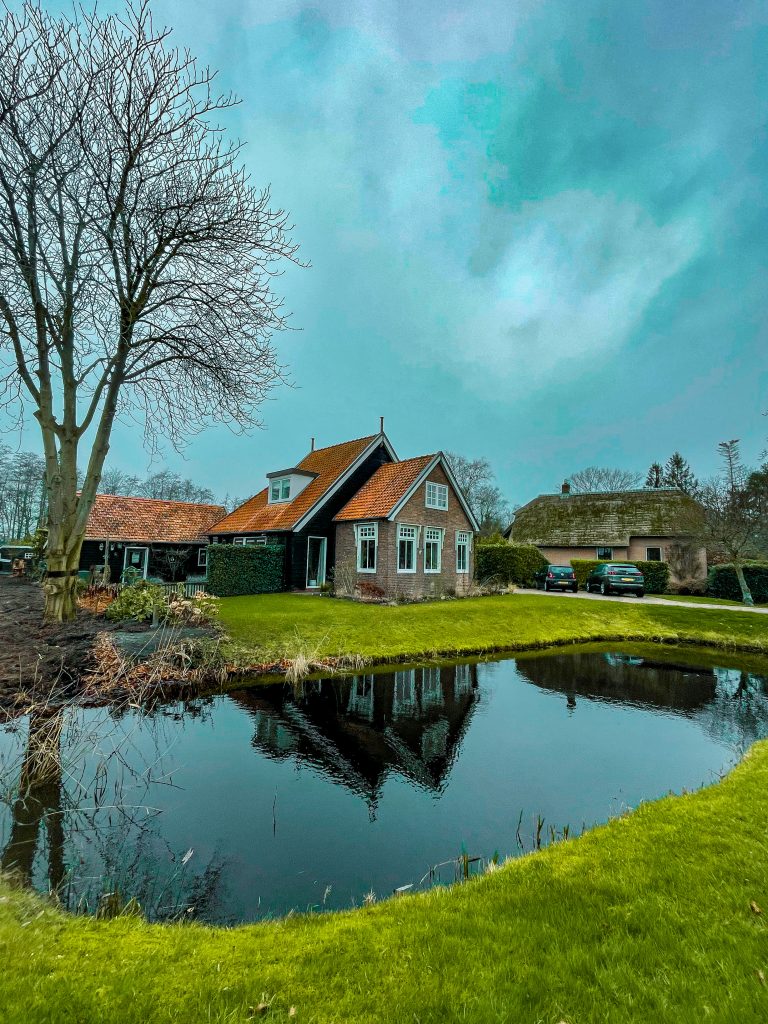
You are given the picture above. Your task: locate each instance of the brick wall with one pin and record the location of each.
(396, 584)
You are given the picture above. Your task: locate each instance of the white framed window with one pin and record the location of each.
(604, 554)
(367, 543)
(248, 541)
(404, 696)
(280, 489)
(433, 549)
(437, 495)
(463, 542)
(406, 548)
(202, 557)
(653, 555)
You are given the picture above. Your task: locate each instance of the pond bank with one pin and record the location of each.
(658, 915)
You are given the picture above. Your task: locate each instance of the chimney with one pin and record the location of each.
(312, 444)
(565, 490)
(381, 424)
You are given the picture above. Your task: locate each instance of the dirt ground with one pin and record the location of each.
(38, 657)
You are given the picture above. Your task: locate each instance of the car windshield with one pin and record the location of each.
(626, 569)
(561, 570)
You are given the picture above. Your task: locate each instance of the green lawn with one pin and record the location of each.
(646, 919)
(285, 625)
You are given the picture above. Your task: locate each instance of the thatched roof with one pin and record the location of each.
(610, 518)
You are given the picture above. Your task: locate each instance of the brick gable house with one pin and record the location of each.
(356, 505)
(126, 532)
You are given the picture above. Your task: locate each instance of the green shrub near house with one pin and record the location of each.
(722, 582)
(508, 563)
(656, 573)
(254, 569)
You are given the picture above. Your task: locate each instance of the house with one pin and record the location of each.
(385, 527)
(618, 526)
(162, 539)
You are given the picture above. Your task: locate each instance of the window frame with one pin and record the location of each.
(414, 541)
(438, 540)
(463, 539)
(440, 489)
(202, 558)
(604, 558)
(281, 483)
(655, 547)
(359, 539)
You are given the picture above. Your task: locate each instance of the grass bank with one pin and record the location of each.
(658, 916)
(274, 626)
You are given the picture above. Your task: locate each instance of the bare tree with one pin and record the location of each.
(602, 478)
(731, 511)
(22, 493)
(485, 498)
(136, 258)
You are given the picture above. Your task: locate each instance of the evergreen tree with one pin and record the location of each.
(678, 473)
(655, 476)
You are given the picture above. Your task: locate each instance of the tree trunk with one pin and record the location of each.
(746, 593)
(61, 581)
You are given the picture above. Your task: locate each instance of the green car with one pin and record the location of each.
(556, 577)
(616, 578)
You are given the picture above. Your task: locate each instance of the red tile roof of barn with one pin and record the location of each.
(116, 517)
(330, 463)
(377, 498)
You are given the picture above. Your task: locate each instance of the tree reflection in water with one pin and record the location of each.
(74, 783)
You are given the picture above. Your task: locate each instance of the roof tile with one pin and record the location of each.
(118, 517)
(377, 498)
(256, 514)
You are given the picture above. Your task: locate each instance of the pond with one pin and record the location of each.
(275, 797)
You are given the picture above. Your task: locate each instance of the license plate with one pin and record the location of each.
(627, 579)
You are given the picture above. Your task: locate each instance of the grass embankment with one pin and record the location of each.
(654, 917)
(273, 626)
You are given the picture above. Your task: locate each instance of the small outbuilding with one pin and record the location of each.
(157, 539)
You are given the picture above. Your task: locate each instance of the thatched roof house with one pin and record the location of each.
(612, 525)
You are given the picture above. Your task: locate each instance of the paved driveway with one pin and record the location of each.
(582, 595)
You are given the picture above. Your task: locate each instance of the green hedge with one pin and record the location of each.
(722, 582)
(253, 569)
(656, 573)
(508, 563)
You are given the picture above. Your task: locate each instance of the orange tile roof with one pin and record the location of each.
(257, 515)
(116, 517)
(377, 498)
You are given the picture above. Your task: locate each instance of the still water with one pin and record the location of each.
(277, 798)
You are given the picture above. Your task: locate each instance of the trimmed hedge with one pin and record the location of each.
(722, 582)
(656, 573)
(508, 563)
(253, 569)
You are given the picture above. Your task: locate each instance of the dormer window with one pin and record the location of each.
(280, 489)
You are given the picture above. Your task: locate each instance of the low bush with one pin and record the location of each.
(199, 610)
(138, 601)
(508, 563)
(252, 569)
(656, 573)
(722, 582)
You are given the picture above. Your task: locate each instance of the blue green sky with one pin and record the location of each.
(538, 231)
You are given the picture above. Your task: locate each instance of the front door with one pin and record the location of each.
(315, 562)
(138, 559)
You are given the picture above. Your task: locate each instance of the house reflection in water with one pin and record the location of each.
(359, 729)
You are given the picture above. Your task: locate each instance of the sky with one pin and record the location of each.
(538, 232)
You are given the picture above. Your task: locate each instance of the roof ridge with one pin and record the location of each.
(351, 440)
(164, 501)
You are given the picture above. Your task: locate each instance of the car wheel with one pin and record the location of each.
(641, 593)
(604, 590)
(575, 590)
(546, 586)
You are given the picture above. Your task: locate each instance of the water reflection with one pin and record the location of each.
(286, 794)
(358, 730)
